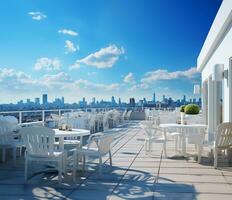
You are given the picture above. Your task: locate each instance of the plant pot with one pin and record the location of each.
(182, 117)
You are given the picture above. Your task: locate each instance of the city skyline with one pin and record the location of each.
(59, 103)
(103, 52)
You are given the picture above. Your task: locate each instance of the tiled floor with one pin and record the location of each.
(134, 175)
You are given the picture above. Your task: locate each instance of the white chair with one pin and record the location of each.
(128, 115)
(7, 140)
(223, 140)
(170, 117)
(103, 147)
(196, 136)
(39, 143)
(153, 135)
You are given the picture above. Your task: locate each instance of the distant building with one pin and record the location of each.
(154, 98)
(113, 102)
(119, 101)
(62, 100)
(45, 99)
(37, 101)
(132, 102)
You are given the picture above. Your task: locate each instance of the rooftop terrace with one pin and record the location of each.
(134, 175)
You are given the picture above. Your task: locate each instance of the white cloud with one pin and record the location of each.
(68, 32)
(70, 47)
(104, 58)
(85, 84)
(37, 15)
(163, 74)
(11, 79)
(129, 78)
(47, 64)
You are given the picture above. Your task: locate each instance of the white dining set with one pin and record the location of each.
(162, 126)
(51, 146)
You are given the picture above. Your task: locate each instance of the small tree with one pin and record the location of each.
(192, 109)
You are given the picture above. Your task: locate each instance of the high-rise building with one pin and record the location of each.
(184, 99)
(132, 102)
(94, 101)
(144, 101)
(164, 99)
(119, 101)
(62, 100)
(37, 101)
(45, 99)
(113, 100)
(154, 99)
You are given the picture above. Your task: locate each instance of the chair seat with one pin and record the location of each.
(156, 139)
(174, 134)
(88, 151)
(56, 155)
(74, 142)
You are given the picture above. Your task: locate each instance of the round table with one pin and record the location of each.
(184, 128)
(73, 133)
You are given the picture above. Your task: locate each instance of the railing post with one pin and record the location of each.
(20, 117)
(43, 116)
(59, 113)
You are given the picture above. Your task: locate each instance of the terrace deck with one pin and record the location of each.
(134, 175)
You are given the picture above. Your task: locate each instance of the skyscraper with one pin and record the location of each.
(119, 101)
(37, 101)
(154, 100)
(62, 100)
(113, 100)
(132, 102)
(45, 99)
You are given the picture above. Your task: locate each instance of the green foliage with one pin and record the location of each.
(192, 109)
(182, 108)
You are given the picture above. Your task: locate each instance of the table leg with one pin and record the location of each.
(61, 143)
(183, 133)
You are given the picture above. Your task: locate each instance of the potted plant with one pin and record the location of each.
(191, 112)
(191, 109)
(182, 114)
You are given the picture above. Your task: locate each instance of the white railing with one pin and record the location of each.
(43, 114)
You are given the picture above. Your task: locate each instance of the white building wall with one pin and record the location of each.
(221, 55)
(217, 49)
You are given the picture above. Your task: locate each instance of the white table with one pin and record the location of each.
(183, 130)
(73, 133)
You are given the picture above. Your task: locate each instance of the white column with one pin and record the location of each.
(230, 89)
(205, 101)
(211, 109)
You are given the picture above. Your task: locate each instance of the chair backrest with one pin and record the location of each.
(167, 117)
(148, 128)
(104, 143)
(224, 135)
(38, 140)
(6, 134)
(124, 114)
(128, 114)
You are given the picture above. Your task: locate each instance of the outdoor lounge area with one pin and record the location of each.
(135, 174)
(116, 100)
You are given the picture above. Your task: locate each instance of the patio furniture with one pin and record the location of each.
(197, 135)
(223, 140)
(39, 143)
(153, 135)
(7, 140)
(102, 147)
(73, 137)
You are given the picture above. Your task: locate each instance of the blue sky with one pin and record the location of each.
(125, 48)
